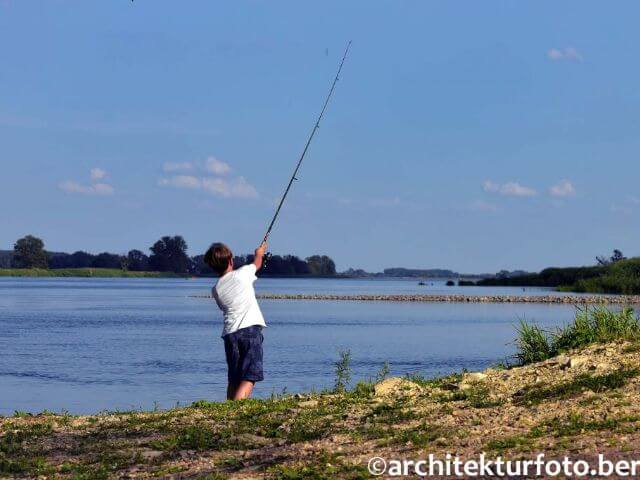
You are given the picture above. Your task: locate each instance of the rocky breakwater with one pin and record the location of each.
(553, 298)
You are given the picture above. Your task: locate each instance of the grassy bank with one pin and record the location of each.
(81, 272)
(621, 277)
(581, 403)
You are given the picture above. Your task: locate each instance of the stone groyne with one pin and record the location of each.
(555, 299)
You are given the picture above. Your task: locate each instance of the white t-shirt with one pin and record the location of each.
(236, 297)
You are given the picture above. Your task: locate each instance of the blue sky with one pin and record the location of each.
(469, 135)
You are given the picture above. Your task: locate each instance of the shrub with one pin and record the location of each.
(590, 325)
(342, 371)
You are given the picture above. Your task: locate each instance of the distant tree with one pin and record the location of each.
(106, 260)
(75, 260)
(59, 260)
(81, 259)
(5, 258)
(321, 265)
(169, 254)
(616, 257)
(137, 261)
(28, 252)
(502, 274)
(288, 265)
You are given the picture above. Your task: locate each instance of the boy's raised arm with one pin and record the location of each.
(259, 254)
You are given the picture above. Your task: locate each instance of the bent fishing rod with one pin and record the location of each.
(306, 147)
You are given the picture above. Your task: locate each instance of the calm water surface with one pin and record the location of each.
(86, 345)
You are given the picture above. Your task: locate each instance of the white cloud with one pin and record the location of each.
(217, 167)
(567, 53)
(563, 189)
(211, 182)
(489, 186)
(232, 188)
(176, 167)
(181, 181)
(98, 173)
(511, 189)
(95, 189)
(237, 187)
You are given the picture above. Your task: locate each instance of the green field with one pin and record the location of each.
(82, 272)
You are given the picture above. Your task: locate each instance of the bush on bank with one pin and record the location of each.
(590, 325)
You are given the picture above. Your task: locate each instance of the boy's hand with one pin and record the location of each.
(259, 254)
(260, 251)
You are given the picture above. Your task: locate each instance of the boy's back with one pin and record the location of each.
(236, 297)
(243, 321)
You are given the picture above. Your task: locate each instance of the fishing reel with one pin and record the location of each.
(266, 259)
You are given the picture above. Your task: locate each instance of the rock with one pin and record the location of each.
(308, 404)
(396, 386)
(563, 361)
(151, 454)
(577, 361)
(450, 387)
(249, 440)
(470, 379)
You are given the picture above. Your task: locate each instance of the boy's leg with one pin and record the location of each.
(231, 391)
(244, 390)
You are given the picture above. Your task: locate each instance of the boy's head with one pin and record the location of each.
(219, 257)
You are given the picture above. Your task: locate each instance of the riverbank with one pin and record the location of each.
(83, 273)
(555, 299)
(580, 404)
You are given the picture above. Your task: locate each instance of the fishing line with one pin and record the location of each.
(306, 147)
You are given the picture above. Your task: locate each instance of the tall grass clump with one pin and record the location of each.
(597, 325)
(342, 368)
(590, 325)
(533, 344)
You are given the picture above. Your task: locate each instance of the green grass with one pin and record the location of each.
(15, 456)
(421, 436)
(520, 442)
(575, 424)
(594, 383)
(590, 325)
(532, 344)
(324, 467)
(436, 382)
(563, 427)
(622, 277)
(477, 396)
(82, 272)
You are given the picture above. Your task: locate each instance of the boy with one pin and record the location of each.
(243, 321)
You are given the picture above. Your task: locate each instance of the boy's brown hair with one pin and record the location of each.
(218, 257)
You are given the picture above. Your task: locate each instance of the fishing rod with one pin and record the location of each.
(306, 147)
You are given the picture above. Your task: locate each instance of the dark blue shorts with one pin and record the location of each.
(243, 349)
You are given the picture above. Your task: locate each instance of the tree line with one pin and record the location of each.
(168, 254)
